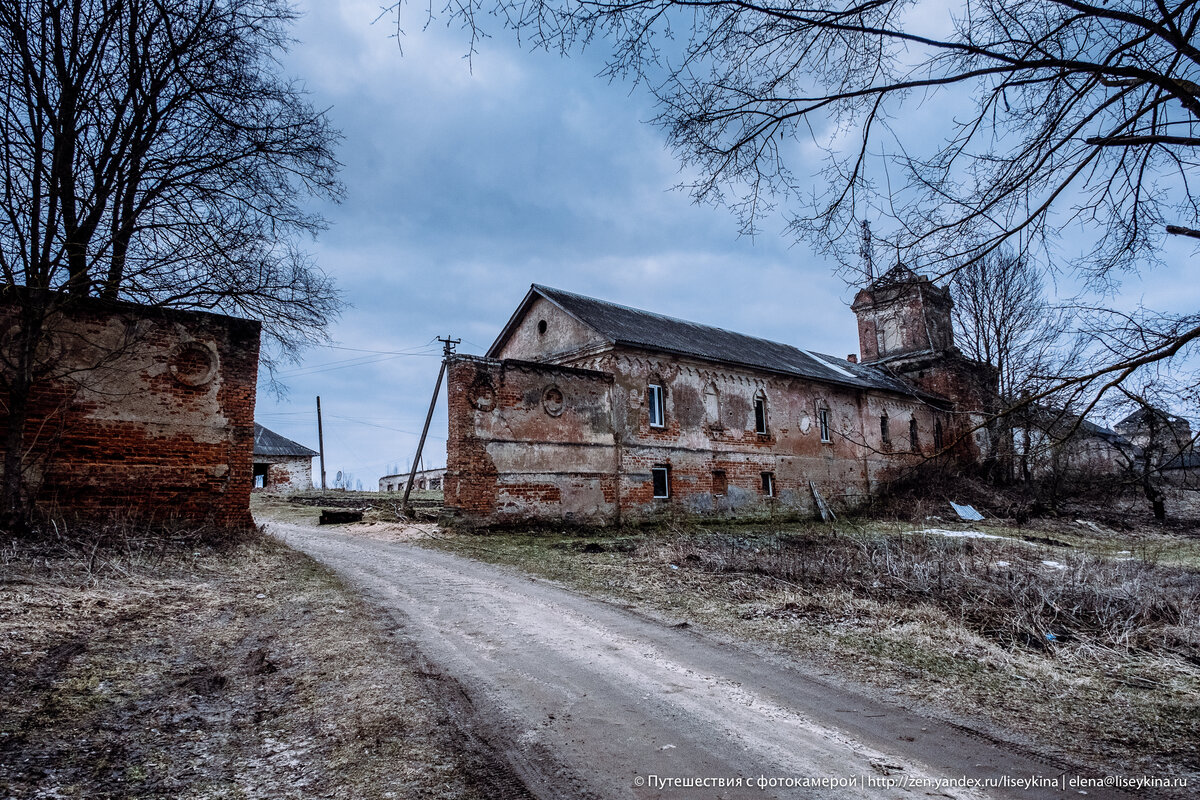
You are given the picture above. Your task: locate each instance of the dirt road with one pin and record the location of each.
(585, 699)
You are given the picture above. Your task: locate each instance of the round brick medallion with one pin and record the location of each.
(193, 364)
(552, 400)
(482, 396)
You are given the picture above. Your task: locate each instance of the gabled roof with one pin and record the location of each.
(622, 325)
(1184, 461)
(269, 443)
(1139, 417)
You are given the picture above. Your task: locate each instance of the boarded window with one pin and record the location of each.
(823, 419)
(720, 483)
(760, 413)
(914, 442)
(654, 398)
(662, 482)
(768, 484)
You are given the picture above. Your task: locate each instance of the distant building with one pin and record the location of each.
(1048, 440)
(279, 463)
(426, 480)
(1162, 437)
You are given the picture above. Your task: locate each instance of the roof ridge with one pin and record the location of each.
(543, 288)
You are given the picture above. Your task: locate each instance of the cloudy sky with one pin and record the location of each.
(466, 182)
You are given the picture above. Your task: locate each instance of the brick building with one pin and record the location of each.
(426, 480)
(587, 411)
(280, 464)
(136, 410)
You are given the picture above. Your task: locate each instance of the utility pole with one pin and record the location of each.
(447, 351)
(321, 442)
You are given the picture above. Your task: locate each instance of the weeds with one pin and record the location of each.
(1006, 592)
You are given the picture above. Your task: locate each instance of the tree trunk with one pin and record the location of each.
(16, 505)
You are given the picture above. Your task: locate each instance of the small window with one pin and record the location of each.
(768, 484)
(720, 483)
(937, 436)
(760, 413)
(823, 420)
(541, 327)
(885, 435)
(654, 397)
(914, 441)
(662, 482)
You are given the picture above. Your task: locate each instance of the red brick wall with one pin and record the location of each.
(529, 441)
(148, 412)
(510, 460)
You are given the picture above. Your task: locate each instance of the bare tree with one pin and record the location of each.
(1155, 438)
(1001, 318)
(151, 152)
(960, 129)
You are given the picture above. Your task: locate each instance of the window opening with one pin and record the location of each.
(823, 419)
(884, 433)
(760, 413)
(720, 484)
(768, 484)
(914, 441)
(662, 482)
(654, 396)
(937, 436)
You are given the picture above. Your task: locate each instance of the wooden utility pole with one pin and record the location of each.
(447, 351)
(321, 442)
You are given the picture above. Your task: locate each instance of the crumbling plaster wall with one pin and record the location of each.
(529, 442)
(143, 411)
(510, 460)
(547, 333)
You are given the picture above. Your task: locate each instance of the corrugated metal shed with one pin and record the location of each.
(647, 330)
(269, 443)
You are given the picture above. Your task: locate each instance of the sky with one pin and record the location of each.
(466, 181)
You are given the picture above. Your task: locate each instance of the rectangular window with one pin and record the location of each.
(937, 436)
(662, 482)
(884, 434)
(654, 398)
(914, 441)
(768, 484)
(823, 420)
(720, 483)
(760, 414)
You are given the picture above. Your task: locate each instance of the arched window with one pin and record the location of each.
(760, 412)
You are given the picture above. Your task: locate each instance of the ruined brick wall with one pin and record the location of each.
(903, 318)
(529, 442)
(143, 411)
(716, 457)
(593, 459)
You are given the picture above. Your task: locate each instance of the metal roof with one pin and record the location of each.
(269, 443)
(644, 329)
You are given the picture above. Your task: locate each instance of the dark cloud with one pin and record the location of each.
(465, 183)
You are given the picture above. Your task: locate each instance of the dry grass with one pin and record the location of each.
(1097, 660)
(140, 669)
